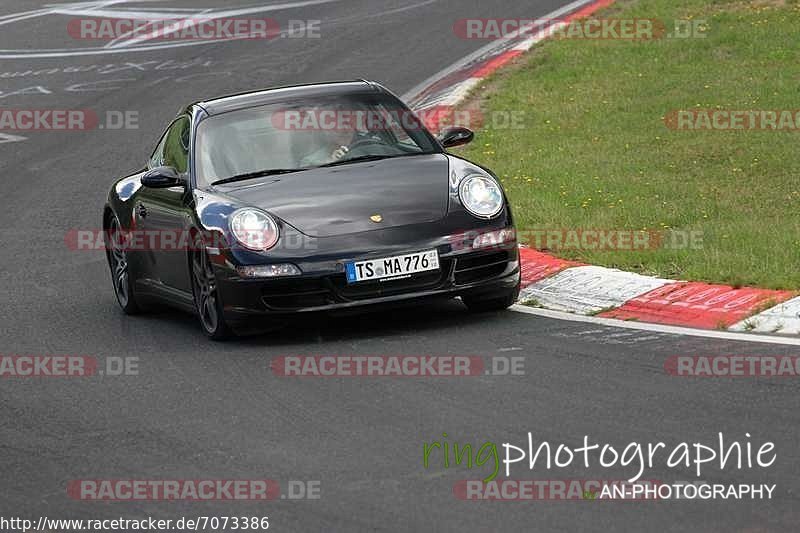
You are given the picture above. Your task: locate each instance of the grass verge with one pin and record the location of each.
(595, 151)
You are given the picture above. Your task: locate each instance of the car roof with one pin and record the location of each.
(277, 94)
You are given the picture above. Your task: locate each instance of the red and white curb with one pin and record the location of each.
(598, 293)
(589, 289)
(560, 285)
(783, 318)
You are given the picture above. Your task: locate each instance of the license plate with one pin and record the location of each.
(396, 267)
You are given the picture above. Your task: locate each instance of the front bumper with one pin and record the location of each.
(464, 272)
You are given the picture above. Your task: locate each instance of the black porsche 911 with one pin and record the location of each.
(320, 197)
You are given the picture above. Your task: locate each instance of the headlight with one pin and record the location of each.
(254, 229)
(481, 196)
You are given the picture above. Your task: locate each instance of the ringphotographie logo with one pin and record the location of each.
(638, 457)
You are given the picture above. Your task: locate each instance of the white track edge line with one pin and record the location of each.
(416, 90)
(660, 328)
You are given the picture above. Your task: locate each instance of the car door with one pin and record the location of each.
(164, 215)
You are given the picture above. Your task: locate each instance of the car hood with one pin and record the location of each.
(325, 202)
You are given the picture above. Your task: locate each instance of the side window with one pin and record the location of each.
(157, 159)
(176, 145)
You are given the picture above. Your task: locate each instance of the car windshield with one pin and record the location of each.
(302, 134)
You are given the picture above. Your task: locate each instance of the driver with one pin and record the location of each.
(333, 143)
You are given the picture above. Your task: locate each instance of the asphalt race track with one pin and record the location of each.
(203, 410)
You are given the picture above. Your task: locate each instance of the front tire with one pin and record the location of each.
(206, 296)
(483, 304)
(124, 282)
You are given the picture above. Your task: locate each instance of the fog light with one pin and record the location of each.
(500, 239)
(268, 271)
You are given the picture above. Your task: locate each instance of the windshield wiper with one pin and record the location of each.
(258, 174)
(358, 159)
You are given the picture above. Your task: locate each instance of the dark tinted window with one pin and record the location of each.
(176, 145)
(305, 133)
(157, 159)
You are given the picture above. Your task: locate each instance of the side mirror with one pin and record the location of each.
(456, 136)
(163, 178)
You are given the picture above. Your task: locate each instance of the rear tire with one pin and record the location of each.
(485, 305)
(206, 296)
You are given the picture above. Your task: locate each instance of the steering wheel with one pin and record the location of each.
(366, 142)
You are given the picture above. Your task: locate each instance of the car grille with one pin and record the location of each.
(476, 267)
(296, 294)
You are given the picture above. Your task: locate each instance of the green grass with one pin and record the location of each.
(595, 152)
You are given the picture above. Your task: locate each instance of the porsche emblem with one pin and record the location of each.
(376, 218)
